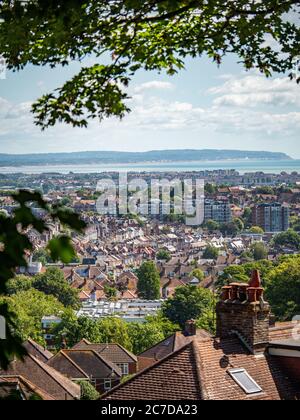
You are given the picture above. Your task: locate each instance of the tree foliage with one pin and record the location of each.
(212, 226)
(281, 280)
(126, 35)
(283, 289)
(289, 238)
(256, 230)
(74, 329)
(29, 307)
(242, 273)
(18, 284)
(149, 281)
(42, 256)
(88, 392)
(259, 251)
(114, 330)
(53, 282)
(211, 253)
(198, 274)
(144, 336)
(15, 245)
(188, 302)
(134, 336)
(164, 255)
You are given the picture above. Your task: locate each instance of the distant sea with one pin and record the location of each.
(242, 166)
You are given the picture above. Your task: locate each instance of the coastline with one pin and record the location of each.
(267, 166)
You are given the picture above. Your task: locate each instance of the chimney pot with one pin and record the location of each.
(255, 279)
(234, 288)
(242, 292)
(226, 293)
(252, 294)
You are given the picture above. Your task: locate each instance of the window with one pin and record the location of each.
(107, 384)
(244, 380)
(124, 368)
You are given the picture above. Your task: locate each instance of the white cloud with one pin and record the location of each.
(253, 90)
(154, 85)
(234, 110)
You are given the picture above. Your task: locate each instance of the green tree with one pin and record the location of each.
(110, 292)
(239, 224)
(29, 308)
(149, 281)
(247, 216)
(155, 329)
(265, 190)
(256, 230)
(263, 266)
(212, 226)
(290, 238)
(18, 284)
(198, 274)
(53, 282)
(259, 251)
(295, 223)
(153, 35)
(88, 392)
(230, 229)
(74, 329)
(283, 289)
(144, 336)
(163, 255)
(165, 325)
(16, 244)
(211, 253)
(114, 330)
(66, 201)
(42, 256)
(188, 302)
(232, 274)
(210, 188)
(207, 320)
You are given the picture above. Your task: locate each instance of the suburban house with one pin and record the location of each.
(87, 365)
(35, 378)
(115, 353)
(248, 359)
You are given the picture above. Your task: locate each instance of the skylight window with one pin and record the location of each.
(245, 381)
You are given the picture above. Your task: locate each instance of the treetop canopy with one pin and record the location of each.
(127, 35)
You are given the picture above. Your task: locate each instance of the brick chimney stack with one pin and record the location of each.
(190, 328)
(243, 311)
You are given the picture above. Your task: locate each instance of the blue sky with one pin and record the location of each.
(202, 107)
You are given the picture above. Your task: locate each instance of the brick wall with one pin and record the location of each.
(249, 319)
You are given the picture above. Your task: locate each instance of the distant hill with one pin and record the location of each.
(131, 157)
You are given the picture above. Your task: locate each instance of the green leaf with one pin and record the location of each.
(61, 249)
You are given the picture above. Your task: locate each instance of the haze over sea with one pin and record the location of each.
(242, 166)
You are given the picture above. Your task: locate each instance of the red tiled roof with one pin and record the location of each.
(173, 378)
(281, 331)
(166, 347)
(218, 356)
(200, 370)
(38, 351)
(115, 353)
(25, 387)
(44, 377)
(84, 362)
